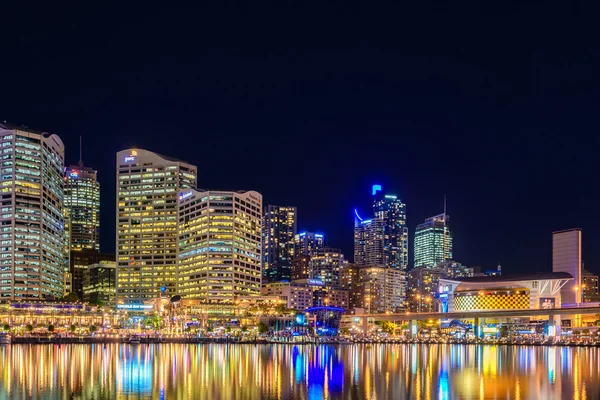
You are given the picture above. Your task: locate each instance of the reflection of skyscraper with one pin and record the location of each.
(433, 242)
(309, 243)
(32, 219)
(278, 232)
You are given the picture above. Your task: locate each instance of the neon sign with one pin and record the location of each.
(375, 189)
(316, 282)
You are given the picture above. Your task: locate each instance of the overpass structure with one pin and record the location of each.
(554, 315)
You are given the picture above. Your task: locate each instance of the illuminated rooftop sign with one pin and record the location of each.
(318, 235)
(316, 282)
(132, 156)
(74, 174)
(375, 189)
(183, 196)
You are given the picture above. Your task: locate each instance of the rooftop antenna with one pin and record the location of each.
(80, 153)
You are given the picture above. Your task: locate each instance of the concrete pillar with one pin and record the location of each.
(413, 328)
(365, 324)
(477, 328)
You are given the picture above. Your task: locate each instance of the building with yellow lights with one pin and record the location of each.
(148, 190)
(219, 245)
(32, 218)
(519, 292)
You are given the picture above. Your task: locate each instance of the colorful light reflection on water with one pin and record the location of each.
(174, 371)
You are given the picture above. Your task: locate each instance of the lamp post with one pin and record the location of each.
(419, 303)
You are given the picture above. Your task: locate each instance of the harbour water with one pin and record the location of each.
(220, 371)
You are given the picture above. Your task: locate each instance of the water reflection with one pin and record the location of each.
(295, 372)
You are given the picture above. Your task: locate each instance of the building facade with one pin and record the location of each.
(392, 212)
(278, 233)
(433, 242)
(100, 284)
(80, 261)
(566, 257)
(382, 289)
(82, 207)
(327, 267)
(32, 235)
(309, 243)
(306, 293)
(301, 267)
(148, 190)
(589, 287)
(368, 242)
(219, 245)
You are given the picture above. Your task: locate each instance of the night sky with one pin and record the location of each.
(311, 104)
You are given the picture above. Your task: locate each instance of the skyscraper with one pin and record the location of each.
(382, 239)
(278, 232)
(566, 257)
(327, 267)
(148, 191)
(32, 218)
(368, 242)
(309, 243)
(433, 242)
(82, 207)
(392, 212)
(219, 245)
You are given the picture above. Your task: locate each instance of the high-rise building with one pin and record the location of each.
(32, 218)
(327, 267)
(100, 284)
(82, 207)
(148, 191)
(566, 257)
(79, 263)
(433, 242)
(392, 212)
(368, 242)
(350, 280)
(278, 232)
(309, 243)
(219, 245)
(589, 287)
(301, 267)
(382, 289)
(382, 239)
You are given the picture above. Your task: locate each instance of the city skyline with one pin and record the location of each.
(488, 119)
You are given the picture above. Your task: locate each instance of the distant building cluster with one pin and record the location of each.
(215, 247)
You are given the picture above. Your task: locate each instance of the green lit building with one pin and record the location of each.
(433, 242)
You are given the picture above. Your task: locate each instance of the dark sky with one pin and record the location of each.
(310, 103)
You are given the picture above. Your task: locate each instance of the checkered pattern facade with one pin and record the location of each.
(504, 301)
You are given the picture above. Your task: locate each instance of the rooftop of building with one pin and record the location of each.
(8, 126)
(515, 277)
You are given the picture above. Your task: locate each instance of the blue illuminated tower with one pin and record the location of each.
(392, 212)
